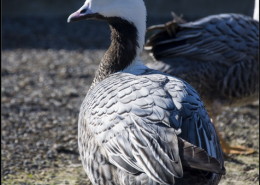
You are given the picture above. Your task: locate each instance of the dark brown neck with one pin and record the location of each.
(122, 50)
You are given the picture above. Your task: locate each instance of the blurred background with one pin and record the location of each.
(192, 9)
(42, 23)
(47, 67)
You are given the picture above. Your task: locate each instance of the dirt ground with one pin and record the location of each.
(47, 67)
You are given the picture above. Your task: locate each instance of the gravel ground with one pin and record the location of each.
(47, 67)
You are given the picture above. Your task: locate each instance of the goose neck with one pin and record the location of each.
(122, 51)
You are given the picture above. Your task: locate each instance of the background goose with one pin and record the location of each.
(256, 10)
(217, 55)
(137, 125)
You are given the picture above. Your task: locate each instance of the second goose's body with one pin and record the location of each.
(138, 125)
(218, 55)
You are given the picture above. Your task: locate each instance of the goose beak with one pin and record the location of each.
(83, 13)
(74, 17)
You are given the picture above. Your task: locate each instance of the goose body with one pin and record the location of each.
(134, 121)
(217, 55)
(137, 125)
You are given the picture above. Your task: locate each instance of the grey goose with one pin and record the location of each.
(137, 125)
(217, 55)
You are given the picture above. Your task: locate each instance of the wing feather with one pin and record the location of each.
(220, 38)
(138, 129)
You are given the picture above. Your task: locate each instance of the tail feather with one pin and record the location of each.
(197, 158)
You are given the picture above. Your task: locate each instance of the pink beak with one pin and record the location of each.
(83, 13)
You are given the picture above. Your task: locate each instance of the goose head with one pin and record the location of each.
(133, 11)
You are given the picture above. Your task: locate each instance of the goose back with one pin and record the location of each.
(136, 120)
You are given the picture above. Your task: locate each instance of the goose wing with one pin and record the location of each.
(136, 121)
(223, 38)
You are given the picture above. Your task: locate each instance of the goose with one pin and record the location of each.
(256, 10)
(217, 55)
(138, 125)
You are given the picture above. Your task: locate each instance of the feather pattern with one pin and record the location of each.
(137, 126)
(195, 157)
(218, 55)
(133, 117)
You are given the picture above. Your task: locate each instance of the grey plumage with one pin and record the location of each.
(138, 126)
(217, 55)
(134, 122)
